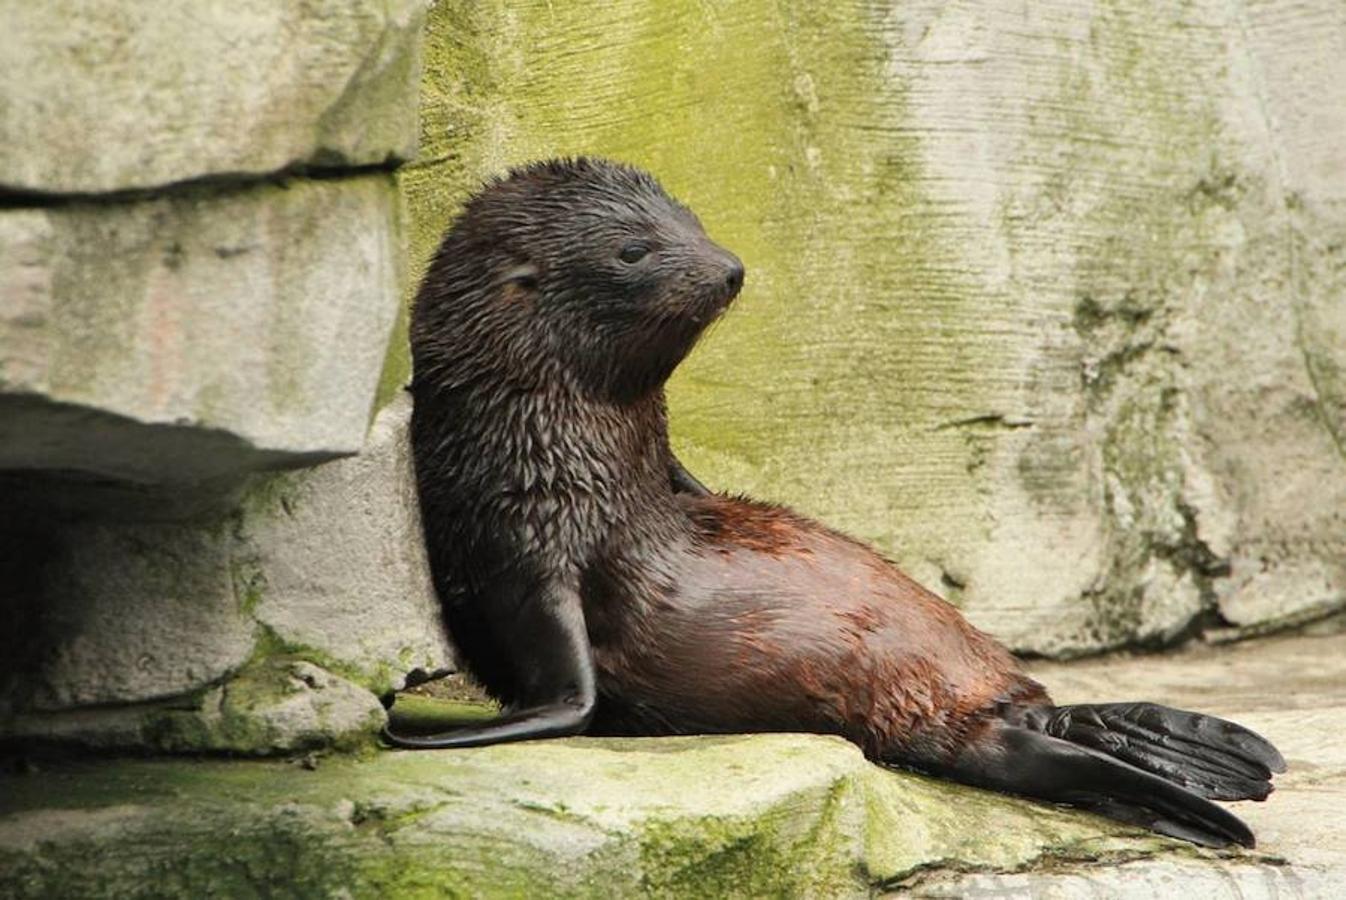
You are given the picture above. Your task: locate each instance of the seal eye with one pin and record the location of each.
(633, 252)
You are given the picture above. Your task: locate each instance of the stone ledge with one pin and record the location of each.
(123, 96)
(765, 815)
(700, 816)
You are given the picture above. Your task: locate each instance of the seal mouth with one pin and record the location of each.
(717, 307)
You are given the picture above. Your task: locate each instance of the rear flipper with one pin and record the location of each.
(1211, 757)
(1008, 757)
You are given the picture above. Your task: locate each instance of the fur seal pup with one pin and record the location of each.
(592, 585)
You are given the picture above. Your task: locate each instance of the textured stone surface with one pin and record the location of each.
(196, 335)
(1146, 880)
(110, 613)
(766, 815)
(772, 815)
(276, 704)
(1291, 689)
(99, 96)
(159, 635)
(339, 560)
(1043, 299)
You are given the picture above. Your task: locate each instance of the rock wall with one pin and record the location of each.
(1045, 299)
(202, 255)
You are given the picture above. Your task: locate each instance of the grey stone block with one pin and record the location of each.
(197, 335)
(341, 561)
(104, 96)
(115, 613)
(191, 635)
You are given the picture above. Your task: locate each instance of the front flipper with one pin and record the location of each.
(556, 692)
(685, 482)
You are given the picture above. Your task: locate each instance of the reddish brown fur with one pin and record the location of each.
(774, 622)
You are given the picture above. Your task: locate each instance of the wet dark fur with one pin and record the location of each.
(589, 584)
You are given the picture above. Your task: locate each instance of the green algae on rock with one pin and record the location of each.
(983, 245)
(731, 816)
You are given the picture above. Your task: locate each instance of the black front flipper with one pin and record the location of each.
(1015, 760)
(685, 482)
(556, 692)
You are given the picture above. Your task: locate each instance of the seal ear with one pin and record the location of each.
(524, 275)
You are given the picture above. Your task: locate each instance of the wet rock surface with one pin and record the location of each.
(697, 816)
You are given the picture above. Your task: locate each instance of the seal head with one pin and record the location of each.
(581, 268)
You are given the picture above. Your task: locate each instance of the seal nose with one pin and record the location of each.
(734, 279)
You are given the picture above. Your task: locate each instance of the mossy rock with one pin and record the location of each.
(1042, 305)
(767, 815)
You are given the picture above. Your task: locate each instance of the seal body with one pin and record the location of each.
(761, 598)
(592, 584)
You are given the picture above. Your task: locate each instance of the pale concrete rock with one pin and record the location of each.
(342, 561)
(1277, 590)
(197, 335)
(1272, 430)
(1288, 688)
(1169, 599)
(99, 97)
(1043, 299)
(767, 815)
(1147, 880)
(115, 613)
(161, 627)
(1139, 195)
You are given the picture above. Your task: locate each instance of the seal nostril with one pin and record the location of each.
(735, 277)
